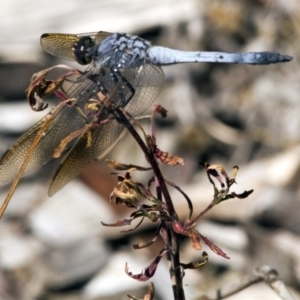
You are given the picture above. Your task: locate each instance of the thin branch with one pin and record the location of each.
(173, 239)
(121, 118)
(264, 273)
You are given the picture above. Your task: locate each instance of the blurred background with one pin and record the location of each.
(56, 249)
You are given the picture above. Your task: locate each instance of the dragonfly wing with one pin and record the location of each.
(93, 144)
(144, 84)
(98, 36)
(147, 82)
(64, 122)
(63, 45)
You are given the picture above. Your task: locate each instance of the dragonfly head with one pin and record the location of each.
(84, 50)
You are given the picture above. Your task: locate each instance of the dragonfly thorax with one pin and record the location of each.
(121, 51)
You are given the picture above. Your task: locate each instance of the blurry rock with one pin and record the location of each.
(69, 224)
(27, 195)
(19, 259)
(128, 17)
(112, 280)
(74, 263)
(72, 215)
(283, 213)
(15, 78)
(17, 117)
(17, 250)
(275, 247)
(231, 236)
(6, 288)
(274, 122)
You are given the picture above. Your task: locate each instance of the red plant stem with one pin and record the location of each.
(174, 239)
(121, 118)
(209, 207)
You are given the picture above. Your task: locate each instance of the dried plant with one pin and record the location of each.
(158, 206)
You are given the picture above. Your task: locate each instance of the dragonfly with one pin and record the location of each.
(123, 71)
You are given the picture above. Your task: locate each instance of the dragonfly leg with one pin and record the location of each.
(84, 75)
(80, 111)
(115, 76)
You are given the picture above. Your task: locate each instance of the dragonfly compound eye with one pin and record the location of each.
(82, 50)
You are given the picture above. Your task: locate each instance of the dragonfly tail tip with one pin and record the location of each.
(286, 58)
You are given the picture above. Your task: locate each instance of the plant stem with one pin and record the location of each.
(173, 240)
(121, 118)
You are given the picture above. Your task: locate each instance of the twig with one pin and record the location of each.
(264, 273)
(121, 118)
(173, 238)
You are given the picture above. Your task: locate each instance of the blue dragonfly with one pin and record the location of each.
(123, 71)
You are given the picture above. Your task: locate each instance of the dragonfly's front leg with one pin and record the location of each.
(117, 76)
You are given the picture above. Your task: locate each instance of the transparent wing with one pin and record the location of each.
(62, 45)
(103, 138)
(64, 121)
(147, 82)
